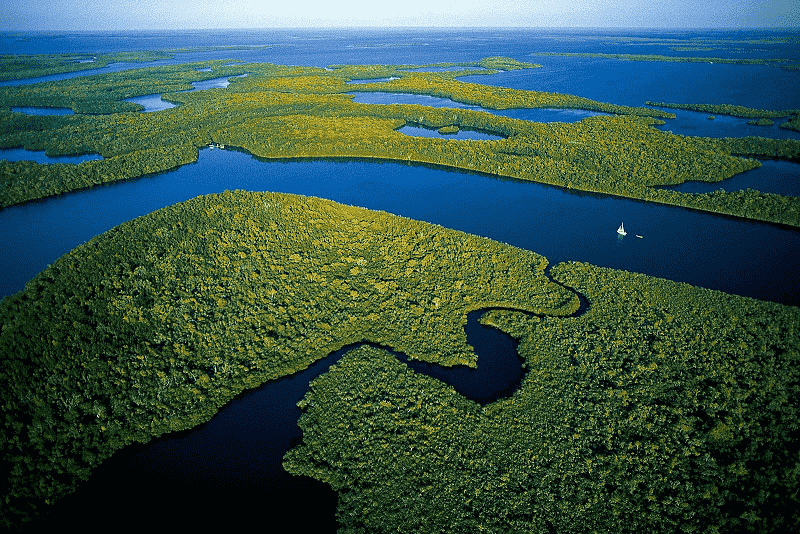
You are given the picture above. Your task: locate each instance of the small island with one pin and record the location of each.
(287, 112)
(646, 405)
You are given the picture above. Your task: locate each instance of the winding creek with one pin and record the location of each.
(234, 460)
(228, 470)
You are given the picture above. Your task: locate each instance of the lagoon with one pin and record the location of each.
(227, 472)
(154, 102)
(737, 256)
(39, 156)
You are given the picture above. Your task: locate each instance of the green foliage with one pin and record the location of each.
(727, 109)
(762, 147)
(299, 112)
(674, 59)
(443, 85)
(663, 408)
(793, 123)
(14, 67)
(153, 326)
(504, 63)
(19, 66)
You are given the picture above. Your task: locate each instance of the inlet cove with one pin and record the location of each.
(300, 112)
(611, 400)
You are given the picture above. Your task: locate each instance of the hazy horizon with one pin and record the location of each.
(117, 15)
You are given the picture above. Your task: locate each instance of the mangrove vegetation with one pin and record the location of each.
(153, 326)
(663, 407)
(301, 112)
(761, 117)
(787, 64)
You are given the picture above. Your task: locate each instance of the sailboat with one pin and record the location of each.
(621, 230)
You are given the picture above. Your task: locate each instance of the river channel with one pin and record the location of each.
(232, 464)
(228, 471)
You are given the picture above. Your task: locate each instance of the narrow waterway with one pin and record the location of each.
(228, 471)
(736, 256)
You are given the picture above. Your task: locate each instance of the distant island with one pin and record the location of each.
(306, 112)
(647, 405)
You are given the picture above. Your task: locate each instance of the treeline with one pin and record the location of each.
(25, 180)
(762, 147)
(153, 326)
(285, 112)
(760, 116)
(443, 85)
(103, 93)
(672, 59)
(727, 109)
(21, 66)
(663, 408)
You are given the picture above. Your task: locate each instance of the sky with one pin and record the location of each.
(74, 15)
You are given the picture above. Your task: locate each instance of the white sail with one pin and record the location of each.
(621, 230)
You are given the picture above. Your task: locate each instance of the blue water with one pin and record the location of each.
(416, 131)
(746, 258)
(228, 471)
(402, 98)
(39, 156)
(698, 124)
(32, 110)
(780, 177)
(153, 103)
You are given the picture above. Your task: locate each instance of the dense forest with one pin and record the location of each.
(654, 407)
(785, 64)
(155, 325)
(663, 407)
(299, 112)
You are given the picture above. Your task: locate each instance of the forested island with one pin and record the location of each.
(647, 404)
(663, 407)
(307, 112)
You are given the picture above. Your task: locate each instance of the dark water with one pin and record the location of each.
(227, 473)
(736, 256)
(39, 156)
(774, 176)
(233, 462)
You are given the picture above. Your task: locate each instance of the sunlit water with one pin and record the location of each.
(227, 472)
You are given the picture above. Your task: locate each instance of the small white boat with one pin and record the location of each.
(621, 230)
(637, 235)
